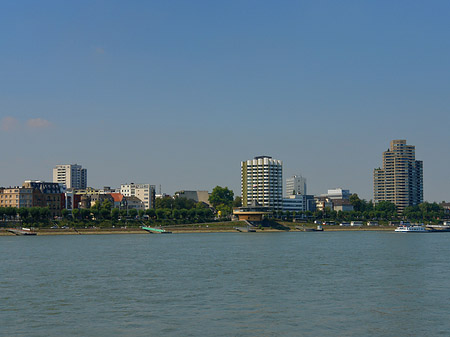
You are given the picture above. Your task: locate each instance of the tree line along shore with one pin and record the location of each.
(175, 213)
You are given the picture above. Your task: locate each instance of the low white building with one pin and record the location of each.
(299, 203)
(144, 192)
(338, 193)
(134, 203)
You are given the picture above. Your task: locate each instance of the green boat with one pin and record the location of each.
(155, 230)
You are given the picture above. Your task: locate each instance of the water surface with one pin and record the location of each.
(226, 284)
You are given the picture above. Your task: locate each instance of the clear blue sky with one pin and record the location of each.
(177, 93)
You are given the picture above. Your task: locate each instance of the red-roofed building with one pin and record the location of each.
(118, 199)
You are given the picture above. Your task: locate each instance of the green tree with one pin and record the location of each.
(183, 213)
(176, 214)
(166, 202)
(191, 214)
(160, 214)
(2, 213)
(387, 207)
(106, 205)
(133, 213)
(151, 213)
(237, 201)
(44, 212)
(200, 205)
(65, 213)
(224, 210)
(85, 213)
(105, 213)
(11, 212)
(221, 196)
(356, 202)
(115, 214)
(180, 203)
(76, 213)
(23, 213)
(35, 213)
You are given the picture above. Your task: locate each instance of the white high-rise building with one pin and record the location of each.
(71, 176)
(295, 185)
(262, 181)
(144, 192)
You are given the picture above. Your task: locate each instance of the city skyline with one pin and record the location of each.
(178, 95)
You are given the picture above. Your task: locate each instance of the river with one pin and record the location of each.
(226, 284)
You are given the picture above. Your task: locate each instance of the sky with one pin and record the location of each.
(178, 93)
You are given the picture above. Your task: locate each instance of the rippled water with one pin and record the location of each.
(226, 284)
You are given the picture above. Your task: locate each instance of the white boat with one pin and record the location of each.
(411, 229)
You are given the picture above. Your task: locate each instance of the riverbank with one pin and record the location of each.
(222, 227)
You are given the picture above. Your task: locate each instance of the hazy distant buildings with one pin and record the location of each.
(197, 196)
(295, 185)
(400, 180)
(296, 199)
(336, 199)
(262, 181)
(144, 192)
(338, 193)
(299, 203)
(71, 176)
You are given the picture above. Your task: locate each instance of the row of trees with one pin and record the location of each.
(223, 201)
(384, 209)
(101, 212)
(25, 214)
(167, 208)
(366, 210)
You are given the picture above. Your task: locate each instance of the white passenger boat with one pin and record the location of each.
(411, 229)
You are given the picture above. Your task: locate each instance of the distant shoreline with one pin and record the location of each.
(180, 230)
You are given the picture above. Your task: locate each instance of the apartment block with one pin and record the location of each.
(71, 176)
(400, 180)
(47, 194)
(144, 192)
(16, 197)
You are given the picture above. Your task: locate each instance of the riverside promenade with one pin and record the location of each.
(221, 227)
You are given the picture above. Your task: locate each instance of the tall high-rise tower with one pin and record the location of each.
(71, 176)
(400, 181)
(261, 181)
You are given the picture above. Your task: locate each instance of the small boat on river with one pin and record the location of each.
(21, 231)
(411, 229)
(309, 229)
(155, 230)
